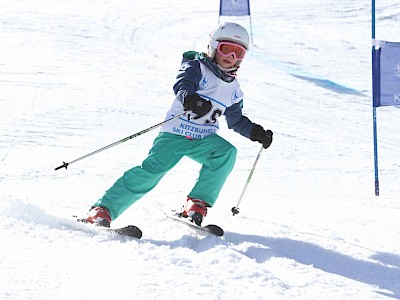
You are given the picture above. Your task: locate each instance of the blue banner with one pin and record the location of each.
(234, 8)
(386, 74)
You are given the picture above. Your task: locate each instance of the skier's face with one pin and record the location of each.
(225, 61)
(228, 54)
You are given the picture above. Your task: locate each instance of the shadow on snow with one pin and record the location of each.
(385, 277)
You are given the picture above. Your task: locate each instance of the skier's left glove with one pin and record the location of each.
(258, 134)
(197, 105)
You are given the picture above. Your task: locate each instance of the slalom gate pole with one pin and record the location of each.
(65, 164)
(235, 209)
(374, 122)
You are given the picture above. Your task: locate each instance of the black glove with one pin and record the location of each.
(197, 105)
(258, 134)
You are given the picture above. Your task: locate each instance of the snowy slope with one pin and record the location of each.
(78, 75)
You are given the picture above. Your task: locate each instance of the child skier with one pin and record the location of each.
(206, 88)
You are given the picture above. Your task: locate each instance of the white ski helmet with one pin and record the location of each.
(231, 32)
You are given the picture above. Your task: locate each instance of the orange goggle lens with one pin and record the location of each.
(227, 49)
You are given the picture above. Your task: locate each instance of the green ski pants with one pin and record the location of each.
(216, 155)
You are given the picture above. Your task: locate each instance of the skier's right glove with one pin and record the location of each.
(258, 134)
(197, 105)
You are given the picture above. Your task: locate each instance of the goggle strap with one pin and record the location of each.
(214, 44)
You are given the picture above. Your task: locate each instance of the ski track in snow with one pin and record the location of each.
(76, 76)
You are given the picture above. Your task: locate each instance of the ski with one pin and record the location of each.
(129, 230)
(210, 228)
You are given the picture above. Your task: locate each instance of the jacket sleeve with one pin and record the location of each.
(236, 121)
(187, 81)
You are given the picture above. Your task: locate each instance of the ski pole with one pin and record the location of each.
(66, 164)
(235, 209)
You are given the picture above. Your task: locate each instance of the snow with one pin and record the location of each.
(76, 76)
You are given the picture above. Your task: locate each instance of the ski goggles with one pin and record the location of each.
(227, 49)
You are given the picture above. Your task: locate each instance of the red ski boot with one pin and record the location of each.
(195, 210)
(99, 216)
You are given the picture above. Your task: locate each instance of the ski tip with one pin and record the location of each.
(136, 231)
(215, 229)
(130, 230)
